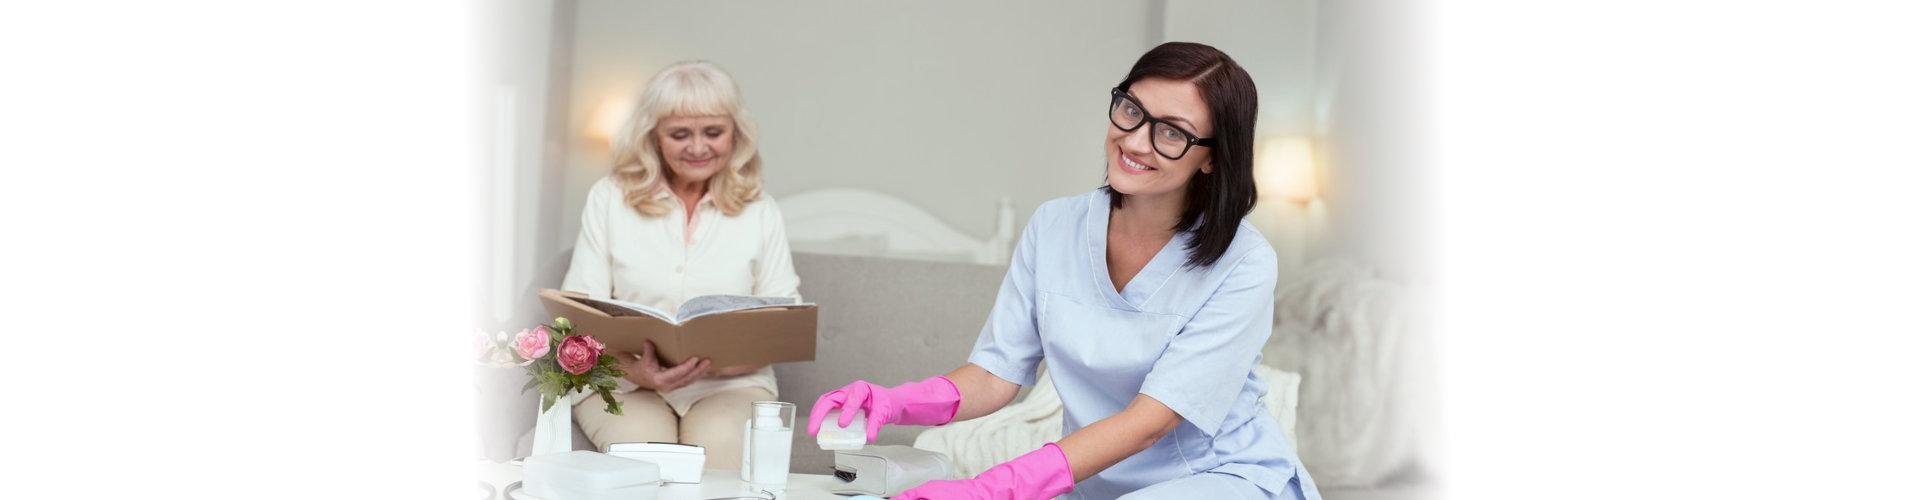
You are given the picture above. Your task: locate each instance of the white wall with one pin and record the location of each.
(1272, 39)
(1379, 165)
(527, 44)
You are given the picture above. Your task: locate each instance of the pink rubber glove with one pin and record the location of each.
(1038, 475)
(933, 401)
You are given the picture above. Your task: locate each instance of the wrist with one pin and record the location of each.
(933, 401)
(1044, 473)
(948, 391)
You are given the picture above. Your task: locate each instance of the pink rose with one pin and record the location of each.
(531, 345)
(597, 346)
(578, 354)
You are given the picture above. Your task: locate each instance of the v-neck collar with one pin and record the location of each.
(1150, 278)
(689, 219)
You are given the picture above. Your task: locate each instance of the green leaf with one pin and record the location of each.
(552, 387)
(613, 406)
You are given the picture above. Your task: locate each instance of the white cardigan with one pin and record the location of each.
(661, 262)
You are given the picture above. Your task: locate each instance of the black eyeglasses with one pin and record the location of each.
(1127, 113)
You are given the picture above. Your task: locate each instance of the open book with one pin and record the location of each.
(692, 308)
(731, 330)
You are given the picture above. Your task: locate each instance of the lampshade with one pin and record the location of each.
(606, 119)
(1285, 169)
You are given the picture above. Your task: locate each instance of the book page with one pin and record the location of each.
(716, 304)
(619, 308)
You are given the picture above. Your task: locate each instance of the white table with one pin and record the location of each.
(714, 483)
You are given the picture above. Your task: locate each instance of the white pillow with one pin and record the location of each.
(1282, 399)
(1023, 426)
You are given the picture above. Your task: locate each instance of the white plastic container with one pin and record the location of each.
(679, 463)
(834, 437)
(586, 475)
(767, 446)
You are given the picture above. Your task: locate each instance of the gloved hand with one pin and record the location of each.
(1037, 475)
(933, 401)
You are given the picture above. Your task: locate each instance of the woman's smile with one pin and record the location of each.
(1131, 165)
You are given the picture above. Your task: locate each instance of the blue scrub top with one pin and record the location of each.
(1187, 337)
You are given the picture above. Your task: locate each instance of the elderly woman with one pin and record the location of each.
(1149, 300)
(682, 216)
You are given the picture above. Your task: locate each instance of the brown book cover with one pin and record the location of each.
(760, 334)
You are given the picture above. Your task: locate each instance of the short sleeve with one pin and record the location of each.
(773, 274)
(1009, 344)
(591, 270)
(1206, 364)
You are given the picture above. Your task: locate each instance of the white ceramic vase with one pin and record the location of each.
(553, 429)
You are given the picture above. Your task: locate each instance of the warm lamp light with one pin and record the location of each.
(606, 120)
(1286, 169)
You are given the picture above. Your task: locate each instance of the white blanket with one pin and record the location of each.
(1355, 340)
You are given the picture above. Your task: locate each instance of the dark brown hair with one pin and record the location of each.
(1215, 202)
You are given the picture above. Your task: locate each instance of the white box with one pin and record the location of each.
(586, 475)
(679, 463)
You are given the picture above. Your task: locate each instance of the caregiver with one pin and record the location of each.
(1149, 299)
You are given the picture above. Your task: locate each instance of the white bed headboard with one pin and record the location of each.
(850, 221)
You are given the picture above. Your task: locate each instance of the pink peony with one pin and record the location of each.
(597, 346)
(531, 345)
(578, 354)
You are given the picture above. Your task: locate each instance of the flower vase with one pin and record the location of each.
(553, 428)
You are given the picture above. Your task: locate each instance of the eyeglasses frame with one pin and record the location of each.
(1148, 119)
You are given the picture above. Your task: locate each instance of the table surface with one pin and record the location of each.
(714, 483)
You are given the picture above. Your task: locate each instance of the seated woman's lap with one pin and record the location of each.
(713, 422)
(647, 418)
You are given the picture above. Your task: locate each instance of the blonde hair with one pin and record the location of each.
(687, 88)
